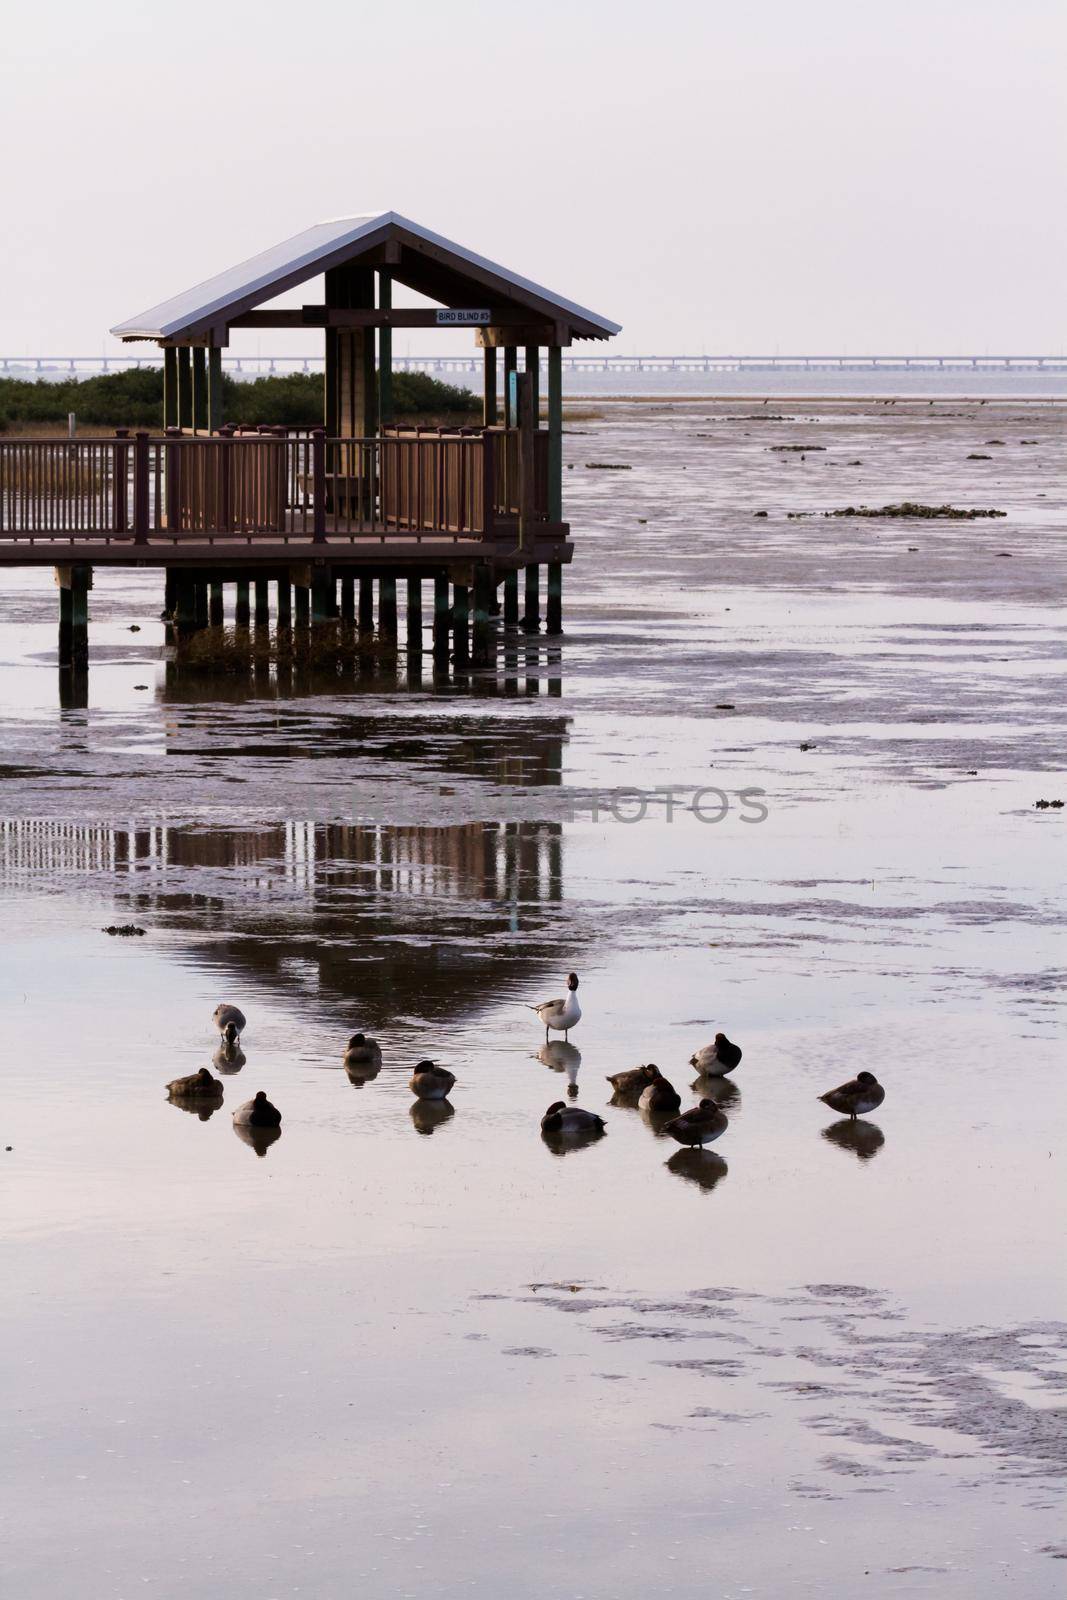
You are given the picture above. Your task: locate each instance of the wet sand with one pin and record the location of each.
(429, 1354)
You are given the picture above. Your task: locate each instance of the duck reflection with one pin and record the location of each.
(203, 1109)
(229, 1058)
(864, 1139)
(428, 1115)
(721, 1090)
(359, 1073)
(562, 1056)
(260, 1139)
(705, 1168)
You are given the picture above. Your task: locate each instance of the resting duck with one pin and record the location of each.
(660, 1096)
(701, 1125)
(258, 1113)
(561, 1015)
(431, 1082)
(198, 1086)
(362, 1052)
(562, 1118)
(628, 1085)
(861, 1094)
(718, 1058)
(231, 1023)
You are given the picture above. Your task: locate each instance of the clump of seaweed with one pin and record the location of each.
(912, 509)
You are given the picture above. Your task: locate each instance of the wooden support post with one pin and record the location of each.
(66, 623)
(140, 488)
(302, 596)
(200, 602)
(461, 601)
(214, 609)
(385, 350)
(285, 603)
(489, 400)
(321, 596)
(262, 603)
(199, 390)
(533, 372)
(170, 387)
(531, 620)
(170, 592)
(387, 608)
(511, 600)
(185, 389)
(440, 618)
(214, 390)
(348, 599)
(241, 613)
(555, 433)
(318, 481)
(527, 459)
(184, 601)
(414, 616)
(483, 629)
(366, 605)
(511, 364)
(554, 598)
(81, 581)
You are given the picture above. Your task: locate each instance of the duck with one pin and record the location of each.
(701, 1125)
(362, 1052)
(561, 1015)
(562, 1118)
(628, 1085)
(660, 1096)
(431, 1082)
(716, 1059)
(230, 1021)
(855, 1098)
(257, 1113)
(197, 1086)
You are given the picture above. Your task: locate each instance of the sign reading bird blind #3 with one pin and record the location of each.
(462, 319)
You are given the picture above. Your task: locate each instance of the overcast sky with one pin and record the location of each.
(810, 176)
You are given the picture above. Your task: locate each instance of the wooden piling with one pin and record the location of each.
(366, 605)
(74, 584)
(169, 593)
(302, 597)
(262, 612)
(554, 598)
(200, 610)
(321, 596)
(414, 616)
(241, 613)
(511, 600)
(440, 618)
(214, 607)
(348, 599)
(531, 619)
(483, 631)
(461, 645)
(184, 602)
(387, 608)
(285, 603)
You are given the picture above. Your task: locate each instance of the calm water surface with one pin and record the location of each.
(411, 1352)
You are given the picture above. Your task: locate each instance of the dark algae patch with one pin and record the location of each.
(911, 509)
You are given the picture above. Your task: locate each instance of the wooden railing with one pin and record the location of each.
(282, 486)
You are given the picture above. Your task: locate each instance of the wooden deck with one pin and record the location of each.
(415, 500)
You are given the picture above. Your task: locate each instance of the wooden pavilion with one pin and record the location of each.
(360, 498)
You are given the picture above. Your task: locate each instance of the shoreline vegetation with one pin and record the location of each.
(134, 399)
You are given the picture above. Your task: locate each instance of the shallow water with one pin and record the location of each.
(422, 1353)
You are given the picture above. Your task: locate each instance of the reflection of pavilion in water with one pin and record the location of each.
(423, 920)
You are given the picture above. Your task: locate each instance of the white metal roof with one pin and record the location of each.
(327, 244)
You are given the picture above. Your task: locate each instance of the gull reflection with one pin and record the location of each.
(428, 1115)
(562, 1056)
(864, 1139)
(260, 1139)
(705, 1168)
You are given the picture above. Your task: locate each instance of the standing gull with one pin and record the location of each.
(561, 1015)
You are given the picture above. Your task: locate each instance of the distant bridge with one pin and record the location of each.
(62, 367)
